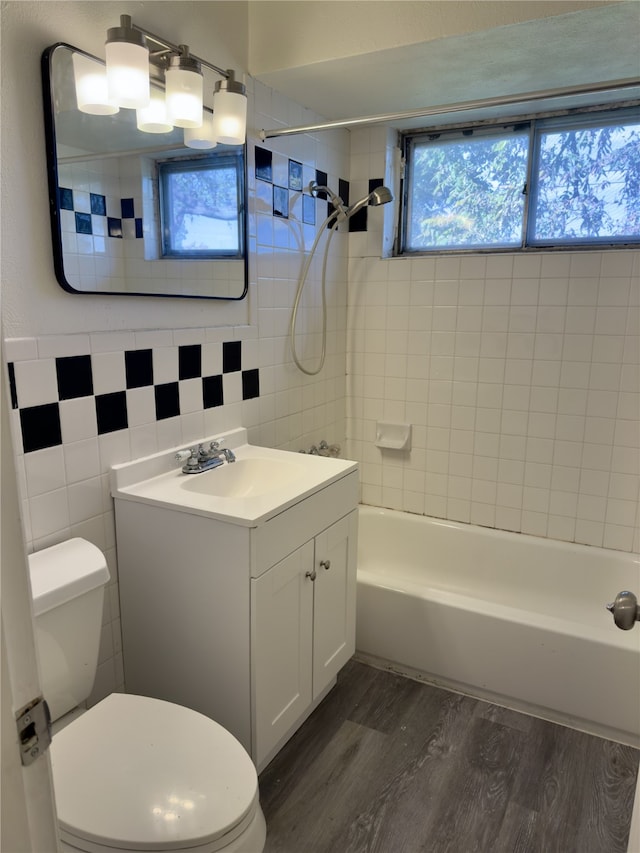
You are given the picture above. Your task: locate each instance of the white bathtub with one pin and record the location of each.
(511, 618)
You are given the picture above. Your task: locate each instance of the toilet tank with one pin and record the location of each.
(67, 585)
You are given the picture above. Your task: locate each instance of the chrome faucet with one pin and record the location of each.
(199, 459)
(323, 449)
(216, 451)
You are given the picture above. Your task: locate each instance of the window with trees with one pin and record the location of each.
(563, 182)
(201, 206)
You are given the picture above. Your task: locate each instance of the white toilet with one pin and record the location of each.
(131, 773)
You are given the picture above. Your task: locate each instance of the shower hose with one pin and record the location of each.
(303, 278)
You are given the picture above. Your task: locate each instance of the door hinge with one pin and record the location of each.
(34, 730)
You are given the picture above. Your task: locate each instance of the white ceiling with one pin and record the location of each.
(591, 46)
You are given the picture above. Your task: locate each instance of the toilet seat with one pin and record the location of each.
(135, 773)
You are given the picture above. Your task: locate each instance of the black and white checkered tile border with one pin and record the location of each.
(281, 195)
(142, 399)
(97, 207)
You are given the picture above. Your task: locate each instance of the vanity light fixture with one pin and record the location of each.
(229, 110)
(184, 89)
(129, 51)
(127, 57)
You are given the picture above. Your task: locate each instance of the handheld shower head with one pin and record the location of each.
(340, 213)
(381, 195)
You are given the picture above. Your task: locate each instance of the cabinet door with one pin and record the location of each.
(334, 614)
(282, 624)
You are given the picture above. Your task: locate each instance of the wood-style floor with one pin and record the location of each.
(391, 765)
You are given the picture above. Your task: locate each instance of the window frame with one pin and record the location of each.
(537, 123)
(199, 162)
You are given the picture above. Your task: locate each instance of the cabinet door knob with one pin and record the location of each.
(311, 575)
(326, 564)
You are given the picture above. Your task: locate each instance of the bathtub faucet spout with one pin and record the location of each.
(625, 610)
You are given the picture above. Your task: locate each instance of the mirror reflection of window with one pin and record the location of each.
(201, 207)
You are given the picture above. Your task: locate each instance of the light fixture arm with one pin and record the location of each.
(169, 47)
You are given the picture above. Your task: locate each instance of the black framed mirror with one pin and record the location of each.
(111, 217)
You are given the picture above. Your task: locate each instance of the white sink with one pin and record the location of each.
(261, 482)
(245, 478)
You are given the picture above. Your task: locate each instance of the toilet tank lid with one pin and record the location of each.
(65, 571)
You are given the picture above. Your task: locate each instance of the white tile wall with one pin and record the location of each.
(519, 374)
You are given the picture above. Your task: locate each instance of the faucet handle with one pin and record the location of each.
(216, 444)
(190, 457)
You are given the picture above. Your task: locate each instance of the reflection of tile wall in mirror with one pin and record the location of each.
(264, 168)
(308, 210)
(280, 202)
(109, 241)
(295, 175)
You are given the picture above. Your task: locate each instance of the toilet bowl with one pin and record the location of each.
(132, 773)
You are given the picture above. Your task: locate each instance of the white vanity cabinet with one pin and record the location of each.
(226, 618)
(303, 631)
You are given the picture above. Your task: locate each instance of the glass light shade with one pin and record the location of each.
(203, 136)
(184, 97)
(91, 87)
(153, 118)
(128, 74)
(230, 117)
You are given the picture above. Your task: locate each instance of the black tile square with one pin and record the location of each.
(264, 169)
(231, 356)
(281, 202)
(250, 384)
(98, 204)
(343, 190)
(330, 211)
(40, 427)
(167, 401)
(295, 175)
(83, 223)
(13, 390)
(126, 206)
(65, 196)
(114, 227)
(139, 231)
(322, 179)
(374, 183)
(190, 361)
(111, 412)
(74, 375)
(358, 221)
(138, 366)
(212, 393)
